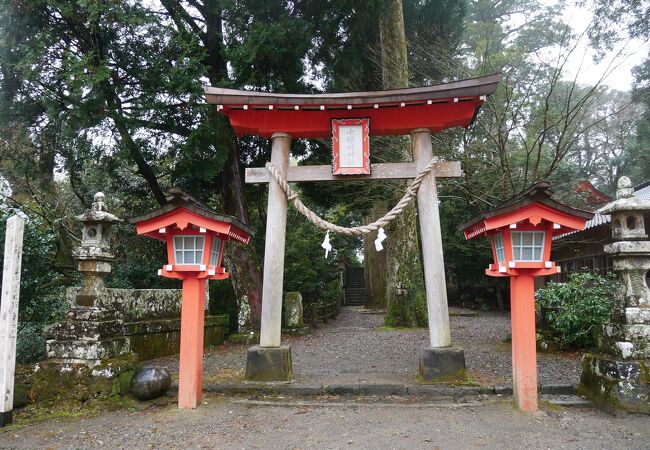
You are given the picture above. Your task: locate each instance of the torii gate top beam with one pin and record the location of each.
(391, 112)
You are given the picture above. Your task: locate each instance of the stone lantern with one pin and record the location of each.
(90, 332)
(617, 376)
(94, 255)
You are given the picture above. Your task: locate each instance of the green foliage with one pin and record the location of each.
(306, 269)
(578, 308)
(42, 300)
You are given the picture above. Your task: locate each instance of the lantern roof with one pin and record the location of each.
(391, 112)
(533, 204)
(626, 200)
(182, 210)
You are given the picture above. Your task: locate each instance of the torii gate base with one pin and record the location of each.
(269, 363)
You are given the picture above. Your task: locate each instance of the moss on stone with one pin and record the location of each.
(154, 339)
(604, 384)
(458, 378)
(57, 382)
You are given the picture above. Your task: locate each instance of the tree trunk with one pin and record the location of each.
(394, 62)
(242, 260)
(404, 265)
(374, 262)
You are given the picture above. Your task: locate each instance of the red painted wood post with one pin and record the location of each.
(190, 377)
(524, 350)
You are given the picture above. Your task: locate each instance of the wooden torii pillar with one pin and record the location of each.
(414, 111)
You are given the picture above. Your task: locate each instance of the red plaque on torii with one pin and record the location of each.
(351, 146)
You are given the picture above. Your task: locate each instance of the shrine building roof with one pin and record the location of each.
(391, 112)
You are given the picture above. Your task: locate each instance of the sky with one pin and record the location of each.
(587, 72)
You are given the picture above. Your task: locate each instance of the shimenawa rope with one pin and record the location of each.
(411, 192)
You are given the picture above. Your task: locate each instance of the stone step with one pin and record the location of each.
(627, 333)
(631, 315)
(83, 350)
(624, 349)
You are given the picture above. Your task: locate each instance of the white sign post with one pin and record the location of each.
(9, 315)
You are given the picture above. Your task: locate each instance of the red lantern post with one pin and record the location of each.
(522, 231)
(195, 238)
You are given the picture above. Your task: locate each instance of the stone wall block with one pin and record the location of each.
(137, 304)
(626, 332)
(624, 350)
(293, 310)
(631, 315)
(88, 352)
(86, 330)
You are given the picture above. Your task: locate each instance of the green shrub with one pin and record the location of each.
(578, 308)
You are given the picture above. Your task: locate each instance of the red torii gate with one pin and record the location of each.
(415, 111)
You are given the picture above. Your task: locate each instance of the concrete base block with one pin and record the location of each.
(6, 418)
(442, 364)
(616, 384)
(269, 364)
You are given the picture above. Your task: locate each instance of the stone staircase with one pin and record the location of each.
(355, 286)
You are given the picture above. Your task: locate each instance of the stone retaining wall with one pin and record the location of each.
(151, 319)
(155, 338)
(139, 304)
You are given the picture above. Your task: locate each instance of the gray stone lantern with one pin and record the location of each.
(617, 375)
(94, 255)
(90, 332)
(628, 223)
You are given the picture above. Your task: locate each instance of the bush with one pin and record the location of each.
(578, 308)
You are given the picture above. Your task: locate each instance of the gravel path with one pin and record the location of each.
(239, 423)
(354, 349)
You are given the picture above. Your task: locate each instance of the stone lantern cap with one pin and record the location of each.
(97, 212)
(625, 199)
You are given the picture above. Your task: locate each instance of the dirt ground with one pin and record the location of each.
(334, 423)
(355, 349)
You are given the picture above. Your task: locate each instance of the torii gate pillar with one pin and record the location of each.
(439, 360)
(270, 361)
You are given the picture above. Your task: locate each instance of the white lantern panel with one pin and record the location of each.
(214, 251)
(498, 247)
(188, 249)
(527, 245)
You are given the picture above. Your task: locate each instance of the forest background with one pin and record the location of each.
(107, 96)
